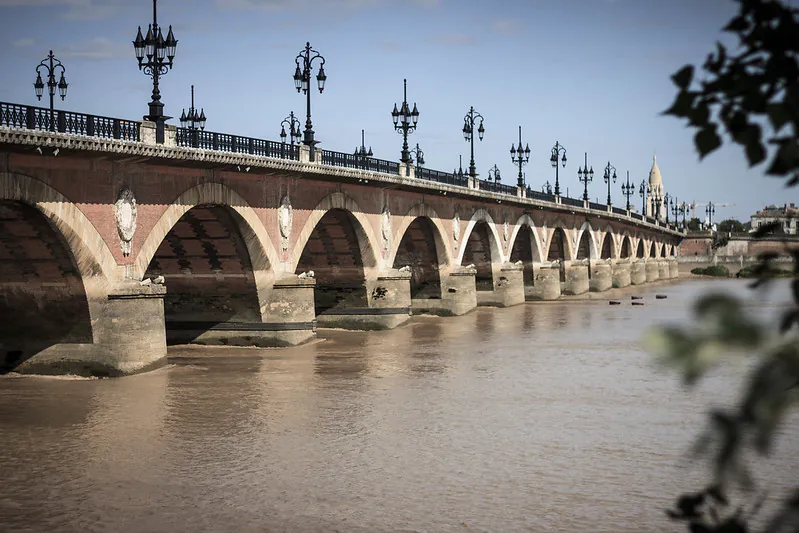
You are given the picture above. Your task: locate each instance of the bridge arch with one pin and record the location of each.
(564, 251)
(525, 245)
(55, 274)
(259, 245)
(526, 221)
(88, 248)
(481, 215)
(480, 246)
(419, 244)
(626, 248)
(586, 247)
(640, 253)
(608, 246)
(653, 251)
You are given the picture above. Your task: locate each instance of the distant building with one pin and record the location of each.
(787, 216)
(655, 189)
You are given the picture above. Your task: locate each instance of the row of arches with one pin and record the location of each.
(218, 260)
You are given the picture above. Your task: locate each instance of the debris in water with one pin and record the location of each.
(660, 297)
(614, 302)
(638, 303)
(636, 297)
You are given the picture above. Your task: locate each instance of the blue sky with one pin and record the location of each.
(592, 74)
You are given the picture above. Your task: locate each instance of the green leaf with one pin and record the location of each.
(700, 114)
(755, 152)
(707, 140)
(786, 159)
(737, 24)
(682, 104)
(778, 114)
(682, 78)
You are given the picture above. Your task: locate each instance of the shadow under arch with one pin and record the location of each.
(639, 251)
(421, 246)
(480, 247)
(586, 243)
(54, 272)
(558, 250)
(259, 245)
(653, 252)
(626, 247)
(337, 247)
(607, 250)
(525, 246)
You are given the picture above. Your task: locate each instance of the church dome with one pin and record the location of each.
(654, 174)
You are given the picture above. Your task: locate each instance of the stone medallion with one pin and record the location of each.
(125, 216)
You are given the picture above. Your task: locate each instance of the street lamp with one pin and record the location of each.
(494, 175)
(361, 151)
(294, 129)
(667, 204)
(556, 154)
(302, 82)
(159, 52)
(585, 176)
(608, 178)
(628, 189)
(405, 122)
(50, 63)
(469, 122)
(520, 156)
(657, 200)
(418, 156)
(710, 210)
(193, 121)
(675, 210)
(642, 192)
(459, 173)
(546, 188)
(684, 211)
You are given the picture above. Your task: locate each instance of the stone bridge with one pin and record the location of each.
(113, 247)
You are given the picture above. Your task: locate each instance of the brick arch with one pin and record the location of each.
(608, 248)
(481, 215)
(259, 245)
(526, 220)
(367, 242)
(653, 251)
(592, 245)
(91, 253)
(443, 247)
(640, 249)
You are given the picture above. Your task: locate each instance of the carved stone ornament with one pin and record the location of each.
(385, 226)
(456, 228)
(125, 216)
(284, 217)
(505, 231)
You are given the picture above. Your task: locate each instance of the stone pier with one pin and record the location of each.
(638, 272)
(547, 282)
(576, 277)
(621, 273)
(663, 269)
(601, 275)
(651, 270)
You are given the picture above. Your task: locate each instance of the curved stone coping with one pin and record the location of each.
(180, 325)
(139, 149)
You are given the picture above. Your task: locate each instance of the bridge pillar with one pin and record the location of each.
(663, 270)
(601, 276)
(458, 293)
(508, 287)
(576, 277)
(388, 299)
(651, 270)
(127, 333)
(547, 282)
(621, 273)
(638, 272)
(674, 269)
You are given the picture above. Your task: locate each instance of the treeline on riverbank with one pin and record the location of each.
(720, 271)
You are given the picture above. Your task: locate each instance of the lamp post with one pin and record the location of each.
(657, 200)
(557, 150)
(418, 156)
(546, 188)
(361, 151)
(193, 121)
(667, 204)
(520, 156)
(159, 52)
(642, 192)
(469, 122)
(675, 210)
(302, 82)
(459, 173)
(628, 189)
(710, 210)
(405, 122)
(51, 64)
(585, 176)
(494, 175)
(294, 129)
(609, 178)
(684, 212)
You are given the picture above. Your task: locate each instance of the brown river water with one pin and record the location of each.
(542, 417)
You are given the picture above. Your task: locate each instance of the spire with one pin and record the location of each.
(654, 174)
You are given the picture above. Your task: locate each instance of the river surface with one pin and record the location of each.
(542, 417)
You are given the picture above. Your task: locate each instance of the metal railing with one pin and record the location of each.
(341, 159)
(571, 201)
(441, 177)
(40, 118)
(224, 142)
(497, 187)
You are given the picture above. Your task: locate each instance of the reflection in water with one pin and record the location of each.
(541, 417)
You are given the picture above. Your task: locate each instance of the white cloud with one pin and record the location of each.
(98, 49)
(22, 43)
(75, 9)
(454, 39)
